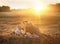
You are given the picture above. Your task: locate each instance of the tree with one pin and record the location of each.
(4, 9)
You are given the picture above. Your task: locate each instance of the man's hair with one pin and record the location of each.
(25, 21)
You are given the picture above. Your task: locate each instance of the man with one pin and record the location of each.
(29, 27)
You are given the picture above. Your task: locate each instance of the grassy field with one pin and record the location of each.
(49, 26)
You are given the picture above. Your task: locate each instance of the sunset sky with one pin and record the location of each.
(24, 3)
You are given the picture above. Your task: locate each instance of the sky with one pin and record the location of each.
(24, 3)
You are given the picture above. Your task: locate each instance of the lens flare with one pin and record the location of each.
(38, 6)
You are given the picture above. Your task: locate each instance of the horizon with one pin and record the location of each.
(24, 7)
(25, 3)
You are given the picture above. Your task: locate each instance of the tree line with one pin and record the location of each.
(4, 8)
(54, 7)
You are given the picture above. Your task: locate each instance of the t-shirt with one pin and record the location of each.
(17, 31)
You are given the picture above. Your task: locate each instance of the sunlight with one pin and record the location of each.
(18, 7)
(38, 6)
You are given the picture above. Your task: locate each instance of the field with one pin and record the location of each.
(49, 25)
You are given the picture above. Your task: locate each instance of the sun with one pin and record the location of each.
(38, 6)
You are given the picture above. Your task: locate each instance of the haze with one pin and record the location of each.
(24, 3)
